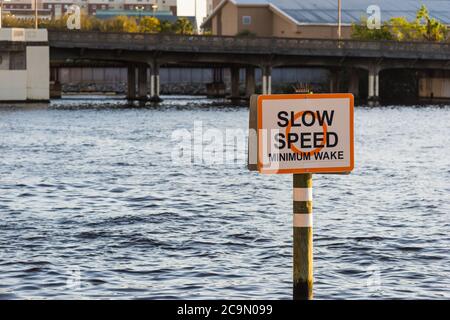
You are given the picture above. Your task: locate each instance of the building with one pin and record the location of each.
(308, 18)
(58, 8)
(23, 9)
(129, 5)
(48, 9)
(149, 6)
(193, 8)
(24, 73)
(209, 7)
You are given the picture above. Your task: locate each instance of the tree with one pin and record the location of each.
(403, 30)
(361, 32)
(90, 23)
(149, 25)
(166, 27)
(9, 21)
(120, 24)
(430, 28)
(399, 28)
(53, 24)
(183, 26)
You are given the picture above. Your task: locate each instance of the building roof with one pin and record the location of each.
(325, 11)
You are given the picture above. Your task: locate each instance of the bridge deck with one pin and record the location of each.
(248, 45)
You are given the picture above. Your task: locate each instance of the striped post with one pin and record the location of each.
(303, 237)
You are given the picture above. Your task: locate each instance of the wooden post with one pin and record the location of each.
(339, 19)
(303, 237)
(131, 75)
(235, 82)
(142, 83)
(250, 83)
(36, 16)
(354, 83)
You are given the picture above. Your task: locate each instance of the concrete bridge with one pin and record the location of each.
(140, 52)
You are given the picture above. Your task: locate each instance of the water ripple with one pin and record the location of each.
(92, 207)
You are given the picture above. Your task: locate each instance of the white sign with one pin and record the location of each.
(74, 18)
(304, 133)
(374, 18)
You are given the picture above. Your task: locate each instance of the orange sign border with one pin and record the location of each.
(349, 96)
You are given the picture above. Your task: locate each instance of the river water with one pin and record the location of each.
(92, 205)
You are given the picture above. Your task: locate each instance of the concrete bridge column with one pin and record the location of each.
(250, 82)
(143, 83)
(55, 84)
(131, 95)
(155, 83)
(267, 80)
(235, 82)
(374, 86)
(54, 74)
(217, 87)
(377, 85)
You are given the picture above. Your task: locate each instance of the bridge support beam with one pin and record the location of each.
(250, 82)
(155, 83)
(143, 83)
(235, 83)
(266, 80)
(374, 86)
(131, 79)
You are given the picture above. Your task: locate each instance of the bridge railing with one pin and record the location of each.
(198, 43)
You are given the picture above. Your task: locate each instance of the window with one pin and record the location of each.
(246, 20)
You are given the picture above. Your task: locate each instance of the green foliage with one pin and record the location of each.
(90, 23)
(120, 24)
(423, 28)
(183, 26)
(246, 33)
(54, 24)
(429, 28)
(149, 25)
(116, 24)
(403, 30)
(166, 27)
(12, 22)
(361, 32)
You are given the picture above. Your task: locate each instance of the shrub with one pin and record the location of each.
(399, 28)
(149, 25)
(246, 33)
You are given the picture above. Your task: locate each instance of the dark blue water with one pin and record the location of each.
(92, 206)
